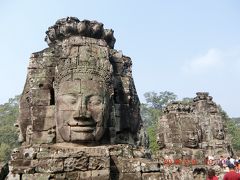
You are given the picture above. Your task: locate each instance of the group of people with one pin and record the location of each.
(230, 165)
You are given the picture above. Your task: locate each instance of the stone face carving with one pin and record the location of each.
(218, 128)
(79, 89)
(198, 124)
(177, 128)
(189, 133)
(82, 111)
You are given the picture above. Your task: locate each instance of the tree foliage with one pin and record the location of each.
(8, 133)
(152, 110)
(159, 101)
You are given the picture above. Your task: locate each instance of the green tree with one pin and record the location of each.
(8, 133)
(5, 151)
(187, 100)
(152, 110)
(159, 101)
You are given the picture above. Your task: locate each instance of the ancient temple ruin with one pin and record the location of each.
(79, 116)
(79, 110)
(79, 76)
(190, 133)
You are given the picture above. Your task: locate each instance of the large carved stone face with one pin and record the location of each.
(218, 130)
(160, 140)
(82, 110)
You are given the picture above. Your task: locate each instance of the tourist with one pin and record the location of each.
(222, 162)
(232, 160)
(211, 175)
(228, 161)
(231, 175)
(210, 160)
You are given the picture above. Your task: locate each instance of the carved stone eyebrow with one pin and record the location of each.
(87, 98)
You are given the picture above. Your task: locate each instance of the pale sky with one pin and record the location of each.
(182, 46)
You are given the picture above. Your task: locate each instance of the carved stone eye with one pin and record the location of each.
(94, 101)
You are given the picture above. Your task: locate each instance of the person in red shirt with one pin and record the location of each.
(211, 175)
(231, 175)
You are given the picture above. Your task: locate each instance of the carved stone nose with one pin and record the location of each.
(79, 114)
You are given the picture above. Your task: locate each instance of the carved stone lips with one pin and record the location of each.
(83, 128)
(84, 125)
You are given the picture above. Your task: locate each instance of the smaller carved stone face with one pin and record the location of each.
(191, 133)
(160, 140)
(218, 131)
(81, 110)
(190, 138)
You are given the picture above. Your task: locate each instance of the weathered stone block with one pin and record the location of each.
(72, 175)
(43, 137)
(44, 153)
(45, 72)
(152, 176)
(42, 111)
(116, 151)
(150, 166)
(63, 153)
(60, 176)
(101, 174)
(20, 162)
(80, 163)
(127, 151)
(130, 176)
(43, 124)
(97, 163)
(21, 169)
(49, 165)
(96, 151)
(40, 97)
(24, 113)
(138, 154)
(130, 165)
(12, 176)
(36, 176)
(41, 83)
(85, 175)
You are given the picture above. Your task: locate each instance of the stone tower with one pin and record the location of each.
(79, 77)
(79, 110)
(190, 133)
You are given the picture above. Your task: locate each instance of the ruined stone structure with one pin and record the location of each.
(79, 110)
(79, 78)
(79, 116)
(192, 132)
